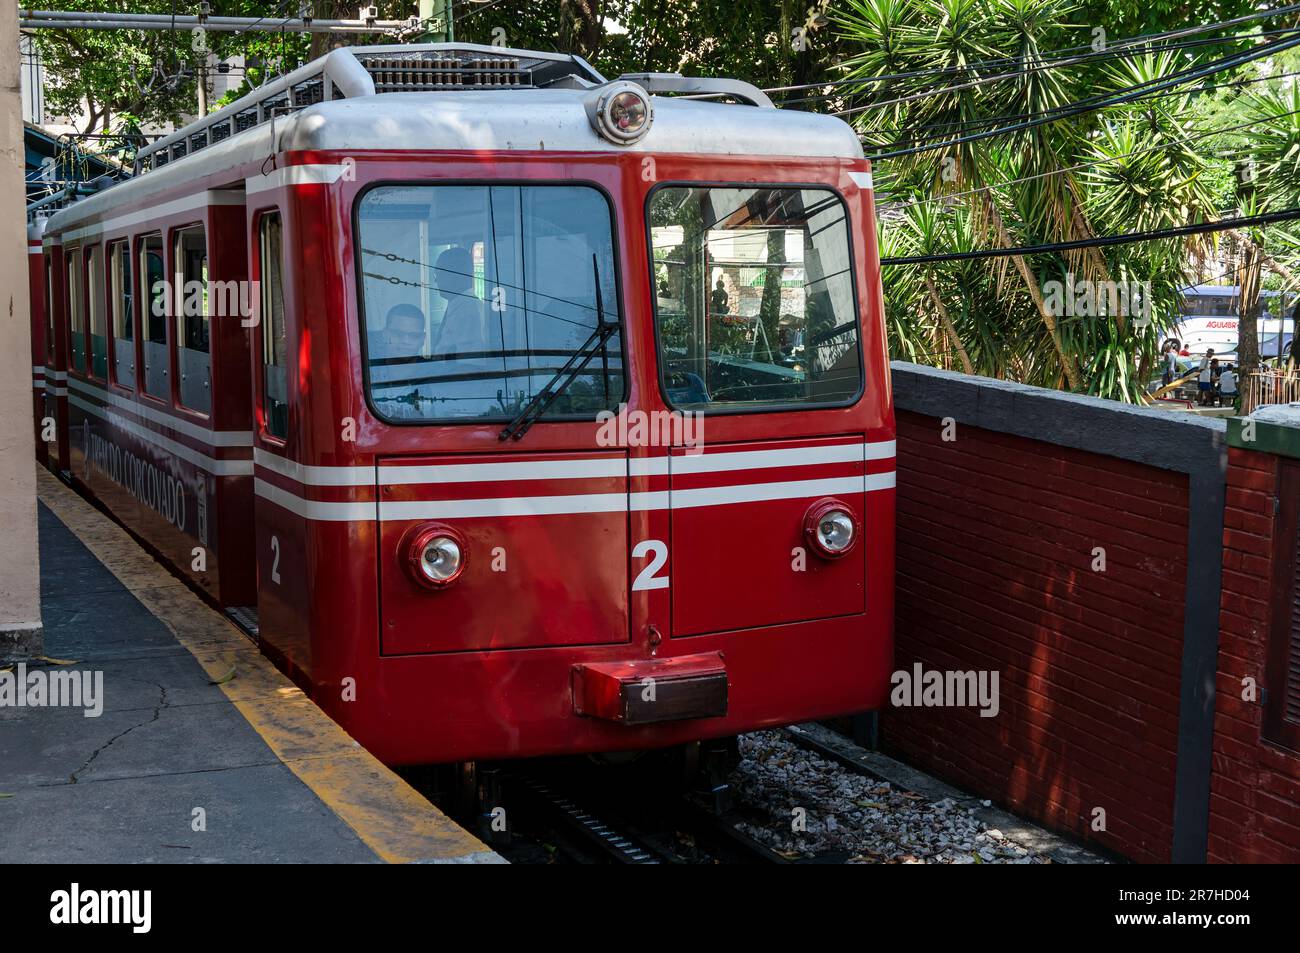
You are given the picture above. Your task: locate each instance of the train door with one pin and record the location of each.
(56, 382)
(759, 340)
(477, 301)
(275, 529)
(214, 385)
(56, 364)
(39, 311)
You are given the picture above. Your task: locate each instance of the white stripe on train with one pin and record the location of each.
(314, 475)
(201, 460)
(611, 467)
(366, 476)
(186, 203)
(213, 438)
(327, 511)
(316, 173)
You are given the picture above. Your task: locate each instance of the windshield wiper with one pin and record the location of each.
(595, 344)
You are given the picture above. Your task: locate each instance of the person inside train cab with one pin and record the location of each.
(462, 331)
(403, 332)
(393, 350)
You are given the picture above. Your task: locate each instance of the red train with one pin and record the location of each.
(522, 411)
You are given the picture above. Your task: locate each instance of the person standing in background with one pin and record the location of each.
(720, 300)
(1228, 387)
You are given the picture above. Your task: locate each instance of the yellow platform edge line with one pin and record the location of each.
(389, 816)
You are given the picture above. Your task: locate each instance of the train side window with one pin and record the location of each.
(121, 302)
(49, 313)
(153, 316)
(95, 311)
(275, 399)
(190, 294)
(76, 303)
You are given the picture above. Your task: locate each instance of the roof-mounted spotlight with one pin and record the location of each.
(620, 112)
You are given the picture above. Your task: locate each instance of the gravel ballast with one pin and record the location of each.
(803, 806)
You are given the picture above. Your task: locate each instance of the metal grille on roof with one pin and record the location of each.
(309, 93)
(418, 72)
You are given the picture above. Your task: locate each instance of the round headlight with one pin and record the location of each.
(831, 528)
(436, 556)
(623, 114)
(440, 559)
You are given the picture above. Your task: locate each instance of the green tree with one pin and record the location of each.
(1101, 173)
(124, 79)
(1268, 182)
(118, 77)
(766, 42)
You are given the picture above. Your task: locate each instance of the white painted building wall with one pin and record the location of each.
(20, 607)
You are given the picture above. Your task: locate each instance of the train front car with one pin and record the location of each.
(574, 426)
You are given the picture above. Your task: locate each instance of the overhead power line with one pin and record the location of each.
(1060, 55)
(1274, 46)
(1127, 95)
(1201, 134)
(1103, 241)
(920, 129)
(1109, 55)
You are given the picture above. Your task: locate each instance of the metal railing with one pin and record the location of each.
(1270, 387)
(357, 71)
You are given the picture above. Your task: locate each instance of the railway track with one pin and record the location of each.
(589, 831)
(587, 818)
(822, 741)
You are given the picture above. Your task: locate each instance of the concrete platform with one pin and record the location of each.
(199, 750)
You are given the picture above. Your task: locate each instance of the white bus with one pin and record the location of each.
(1210, 316)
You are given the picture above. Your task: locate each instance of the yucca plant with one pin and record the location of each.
(1121, 169)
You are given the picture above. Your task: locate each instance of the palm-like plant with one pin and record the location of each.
(1126, 168)
(1272, 184)
(1274, 145)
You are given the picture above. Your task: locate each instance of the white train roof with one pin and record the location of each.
(466, 98)
(556, 120)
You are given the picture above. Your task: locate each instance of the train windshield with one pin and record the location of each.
(474, 297)
(754, 297)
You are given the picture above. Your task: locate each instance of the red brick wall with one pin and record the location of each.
(995, 550)
(1254, 785)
